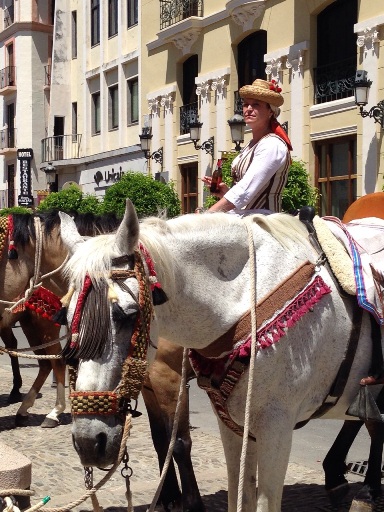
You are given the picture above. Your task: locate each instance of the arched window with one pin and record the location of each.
(188, 91)
(250, 58)
(336, 51)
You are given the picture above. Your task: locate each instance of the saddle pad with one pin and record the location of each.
(364, 240)
(337, 254)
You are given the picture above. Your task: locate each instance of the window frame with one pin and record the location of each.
(330, 178)
(113, 17)
(74, 34)
(131, 83)
(113, 107)
(188, 197)
(132, 13)
(96, 113)
(95, 22)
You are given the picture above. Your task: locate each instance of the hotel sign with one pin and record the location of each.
(25, 156)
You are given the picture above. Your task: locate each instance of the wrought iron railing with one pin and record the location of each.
(47, 70)
(7, 138)
(238, 104)
(9, 15)
(188, 114)
(173, 11)
(7, 76)
(61, 147)
(335, 81)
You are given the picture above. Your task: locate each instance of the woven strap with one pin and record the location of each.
(94, 402)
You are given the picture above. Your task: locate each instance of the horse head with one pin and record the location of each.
(109, 314)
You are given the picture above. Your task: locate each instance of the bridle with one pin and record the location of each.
(118, 401)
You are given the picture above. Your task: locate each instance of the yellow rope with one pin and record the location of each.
(253, 283)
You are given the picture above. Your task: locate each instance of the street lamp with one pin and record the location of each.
(50, 174)
(195, 133)
(145, 143)
(361, 87)
(237, 126)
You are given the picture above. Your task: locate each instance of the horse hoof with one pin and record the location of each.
(21, 421)
(362, 506)
(15, 397)
(337, 494)
(50, 423)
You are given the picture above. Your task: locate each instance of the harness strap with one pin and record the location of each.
(275, 300)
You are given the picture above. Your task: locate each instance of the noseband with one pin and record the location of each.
(118, 401)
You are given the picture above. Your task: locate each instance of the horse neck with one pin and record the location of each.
(214, 283)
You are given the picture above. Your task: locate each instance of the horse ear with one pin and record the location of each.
(127, 236)
(69, 233)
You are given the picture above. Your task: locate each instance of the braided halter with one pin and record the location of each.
(117, 402)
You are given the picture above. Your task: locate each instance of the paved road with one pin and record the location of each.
(56, 470)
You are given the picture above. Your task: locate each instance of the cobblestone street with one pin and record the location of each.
(56, 470)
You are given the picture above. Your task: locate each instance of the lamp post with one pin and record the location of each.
(237, 126)
(361, 87)
(51, 176)
(145, 143)
(195, 132)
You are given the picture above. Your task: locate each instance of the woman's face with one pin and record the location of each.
(257, 114)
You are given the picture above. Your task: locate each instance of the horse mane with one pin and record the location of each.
(88, 224)
(287, 229)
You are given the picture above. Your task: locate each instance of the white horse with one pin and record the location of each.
(205, 266)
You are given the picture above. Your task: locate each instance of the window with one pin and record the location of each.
(74, 122)
(112, 17)
(113, 107)
(189, 109)
(132, 12)
(133, 100)
(74, 34)
(96, 124)
(250, 58)
(336, 175)
(336, 51)
(189, 187)
(95, 22)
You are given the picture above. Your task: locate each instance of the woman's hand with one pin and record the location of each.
(223, 187)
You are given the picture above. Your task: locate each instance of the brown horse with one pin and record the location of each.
(370, 205)
(161, 387)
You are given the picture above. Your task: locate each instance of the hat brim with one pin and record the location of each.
(262, 94)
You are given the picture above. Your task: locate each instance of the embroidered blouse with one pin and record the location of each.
(260, 173)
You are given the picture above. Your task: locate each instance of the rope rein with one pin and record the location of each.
(253, 297)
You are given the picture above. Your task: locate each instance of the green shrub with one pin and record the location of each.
(150, 197)
(15, 209)
(298, 191)
(71, 200)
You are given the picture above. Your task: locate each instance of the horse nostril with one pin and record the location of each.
(101, 443)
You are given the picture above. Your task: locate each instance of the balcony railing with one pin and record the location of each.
(335, 81)
(7, 139)
(238, 104)
(47, 70)
(7, 77)
(9, 15)
(188, 113)
(61, 147)
(173, 11)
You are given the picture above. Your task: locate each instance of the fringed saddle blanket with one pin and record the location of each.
(276, 313)
(364, 241)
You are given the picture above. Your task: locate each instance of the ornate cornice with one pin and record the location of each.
(166, 100)
(274, 68)
(202, 88)
(368, 37)
(184, 40)
(291, 58)
(244, 12)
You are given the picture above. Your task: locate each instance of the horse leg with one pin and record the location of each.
(10, 343)
(334, 463)
(170, 494)
(164, 377)
(273, 431)
(232, 444)
(38, 331)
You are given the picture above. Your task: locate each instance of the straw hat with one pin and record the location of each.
(263, 91)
